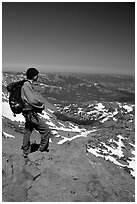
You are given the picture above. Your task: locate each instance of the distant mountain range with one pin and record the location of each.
(103, 102)
(66, 89)
(88, 115)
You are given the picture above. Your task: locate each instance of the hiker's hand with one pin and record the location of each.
(43, 106)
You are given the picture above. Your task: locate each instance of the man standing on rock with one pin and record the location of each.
(33, 106)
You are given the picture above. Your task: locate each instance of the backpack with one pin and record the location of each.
(15, 101)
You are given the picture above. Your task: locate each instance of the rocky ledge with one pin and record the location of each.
(67, 173)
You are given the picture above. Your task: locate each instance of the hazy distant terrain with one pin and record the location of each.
(78, 91)
(80, 88)
(92, 118)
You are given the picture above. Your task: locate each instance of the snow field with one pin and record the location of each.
(109, 152)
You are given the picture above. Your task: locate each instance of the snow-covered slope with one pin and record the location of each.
(115, 147)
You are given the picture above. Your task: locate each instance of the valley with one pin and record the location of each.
(92, 118)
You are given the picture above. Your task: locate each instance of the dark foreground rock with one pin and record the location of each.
(67, 173)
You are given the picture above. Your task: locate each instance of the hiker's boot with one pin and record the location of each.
(26, 151)
(25, 155)
(43, 150)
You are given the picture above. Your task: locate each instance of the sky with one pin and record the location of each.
(90, 37)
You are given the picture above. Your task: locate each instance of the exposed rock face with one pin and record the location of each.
(67, 173)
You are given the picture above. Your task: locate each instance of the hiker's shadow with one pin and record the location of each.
(34, 147)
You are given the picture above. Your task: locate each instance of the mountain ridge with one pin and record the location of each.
(83, 158)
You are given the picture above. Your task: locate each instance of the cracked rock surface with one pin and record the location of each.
(67, 173)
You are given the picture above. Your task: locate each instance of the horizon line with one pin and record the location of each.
(74, 72)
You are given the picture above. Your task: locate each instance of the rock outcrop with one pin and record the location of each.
(67, 173)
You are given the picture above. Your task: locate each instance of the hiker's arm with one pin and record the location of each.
(31, 97)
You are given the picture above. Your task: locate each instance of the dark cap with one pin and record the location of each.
(31, 72)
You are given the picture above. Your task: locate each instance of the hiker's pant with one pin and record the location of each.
(34, 121)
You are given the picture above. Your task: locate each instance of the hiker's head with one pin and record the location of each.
(32, 74)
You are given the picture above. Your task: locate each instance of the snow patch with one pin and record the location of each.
(6, 112)
(129, 108)
(8, 135)
(111, 153)
(83, 134)
(99, 106)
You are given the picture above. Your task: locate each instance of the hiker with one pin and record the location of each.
(33, 106)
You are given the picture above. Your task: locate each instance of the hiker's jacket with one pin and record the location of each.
(30, 98)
